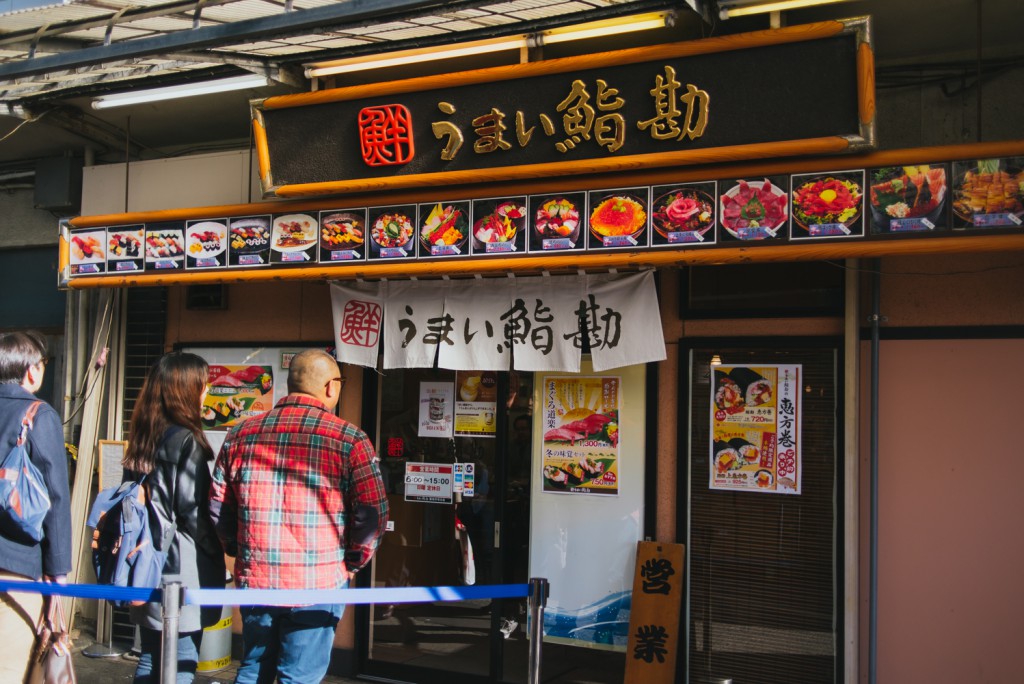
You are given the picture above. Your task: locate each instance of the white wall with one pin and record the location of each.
(175, 183)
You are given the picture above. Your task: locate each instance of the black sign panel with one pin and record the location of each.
(645, 109)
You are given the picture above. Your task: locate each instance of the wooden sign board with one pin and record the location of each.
(654, 616)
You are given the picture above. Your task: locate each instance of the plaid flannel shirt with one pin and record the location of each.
(296, 493)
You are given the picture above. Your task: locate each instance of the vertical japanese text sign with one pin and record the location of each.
(654, 615)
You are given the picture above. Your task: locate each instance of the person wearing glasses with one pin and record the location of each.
(298, 500)
(22, 366)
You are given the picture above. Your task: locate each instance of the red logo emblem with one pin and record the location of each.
(385, 135)
(360, 323)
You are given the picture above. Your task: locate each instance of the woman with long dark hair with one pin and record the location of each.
(166, 444)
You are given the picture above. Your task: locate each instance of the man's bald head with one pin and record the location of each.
(310, 372)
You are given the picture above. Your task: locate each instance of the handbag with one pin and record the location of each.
(24, 501)
(51, 654)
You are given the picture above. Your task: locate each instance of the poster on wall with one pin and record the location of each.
(755, 428)
(437, 409)
(227, 360)
(586, 545)
(581, 435)
(988, 193)
(476, 405)
(234, 393)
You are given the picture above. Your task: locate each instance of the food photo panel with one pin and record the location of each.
(618, 219)
(165, 246)
(499, 226)
(754, 208)
(988, 193)
(88, 251)
(444, 229)
(556, 222)
(124, 248)
(908, 199)
(826, 205)
(249, 241)
(342, 235)
(293, 239)
(206, 244)
(392, 232)
(683, 214)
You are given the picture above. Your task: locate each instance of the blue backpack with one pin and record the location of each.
(123, 554)
(24, 500)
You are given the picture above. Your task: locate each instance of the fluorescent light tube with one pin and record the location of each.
(763, 8)
(184, 90)
(563, 35)
(412, 57)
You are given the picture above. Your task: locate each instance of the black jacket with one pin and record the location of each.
(51, 556)
(179, 516)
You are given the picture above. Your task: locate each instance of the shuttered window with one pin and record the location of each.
(763, 569)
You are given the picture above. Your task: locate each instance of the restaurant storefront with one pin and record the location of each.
(737, 432)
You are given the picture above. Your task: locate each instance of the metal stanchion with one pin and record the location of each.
(538, 599)
(171, 605)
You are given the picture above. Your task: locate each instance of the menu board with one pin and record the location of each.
(988, 193)
(898, 201)
(827, 205)
(909, 198)
(755, 428)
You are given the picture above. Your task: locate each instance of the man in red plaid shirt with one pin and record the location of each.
(298, 499)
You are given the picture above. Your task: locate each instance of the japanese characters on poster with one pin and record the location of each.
(476, 404)
(755, 428)
(437, 409)
(428, 482)
(581, 435)
(235, 393)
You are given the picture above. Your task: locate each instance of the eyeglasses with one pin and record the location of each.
(338, 379)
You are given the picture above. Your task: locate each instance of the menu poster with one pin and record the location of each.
(827, 205)
(444, 229)
(124, 249)
(755, 428)
(342, 235)
(499, 226)
(165, 246)
(476, 404)
(392, 232)
(988, 193)
(618, 219)
(437, 409)
(206, 244)
(88, 251)
(249, 241)
(580, 453)
(908, 199)
(556, 222)
(234, 393)
(683, 214)
(756, 208)
(293, 239)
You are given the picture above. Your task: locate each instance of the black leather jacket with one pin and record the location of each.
(179, 516)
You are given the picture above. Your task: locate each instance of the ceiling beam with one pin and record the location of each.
(314, 19)
(73, 121)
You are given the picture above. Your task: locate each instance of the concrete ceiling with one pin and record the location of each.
(906, 33)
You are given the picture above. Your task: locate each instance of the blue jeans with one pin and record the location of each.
(148, 670)
(290, 643)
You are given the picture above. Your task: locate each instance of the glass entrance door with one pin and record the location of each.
(477, 536)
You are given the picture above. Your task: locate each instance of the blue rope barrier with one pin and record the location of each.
(276, 597)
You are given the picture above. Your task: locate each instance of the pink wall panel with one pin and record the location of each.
(951, 503)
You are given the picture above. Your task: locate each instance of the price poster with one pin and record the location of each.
(428, 482)
(235, 393)
(755, 428)
(581, 435)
